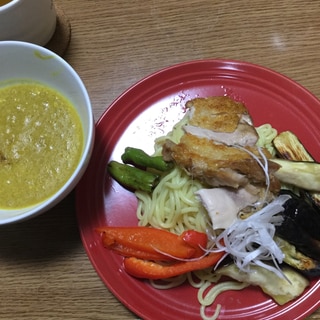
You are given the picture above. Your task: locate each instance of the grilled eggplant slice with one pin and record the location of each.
(280, 289)
(301, 225)
(304, 175)
(289, 147)
(306, 265)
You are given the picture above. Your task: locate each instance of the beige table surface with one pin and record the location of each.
(44, 270)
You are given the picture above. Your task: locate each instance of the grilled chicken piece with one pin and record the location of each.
(221, 119)
(243, 135)
(216, 113)
(217, 164)
(209, 149)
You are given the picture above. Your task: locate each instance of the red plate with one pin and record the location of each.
(149, 109)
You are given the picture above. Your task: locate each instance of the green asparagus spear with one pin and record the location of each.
(132, 178)
(139, 158)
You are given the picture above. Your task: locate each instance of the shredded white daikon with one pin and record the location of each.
(250, 241)
(264, 166)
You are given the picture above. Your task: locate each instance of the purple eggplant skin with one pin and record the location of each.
(306, 215)
(311, 273)
(301, 225)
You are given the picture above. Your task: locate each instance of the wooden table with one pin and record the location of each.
(45, 272)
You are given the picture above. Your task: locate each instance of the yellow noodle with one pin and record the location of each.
(169, 283)
(207, 299)
(173, 205)
(214, 316)
(207, 275)
(198, 278)
(195, 283)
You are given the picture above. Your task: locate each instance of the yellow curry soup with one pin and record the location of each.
(41, 141)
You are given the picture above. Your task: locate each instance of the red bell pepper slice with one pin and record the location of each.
(135, 240)
(197, 240)
(133, 252)
(152, 270)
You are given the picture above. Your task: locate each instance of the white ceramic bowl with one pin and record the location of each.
(22, 60)
(28, 20)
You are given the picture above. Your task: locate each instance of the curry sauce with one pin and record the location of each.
(41, 141)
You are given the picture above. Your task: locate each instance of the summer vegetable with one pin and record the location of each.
(153, 270)
(282, 290)
(301, 225)
(294, 258)
(139, 171)
(289, 147)
(153, 244)
(139, 158)
(133, 178)
(305, 175)
(146, 249)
